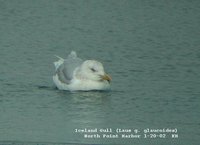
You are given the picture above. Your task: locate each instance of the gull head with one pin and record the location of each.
(93, 70)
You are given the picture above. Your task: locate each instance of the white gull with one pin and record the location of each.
(74, 74)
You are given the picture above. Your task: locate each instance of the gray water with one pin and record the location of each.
(151, 48)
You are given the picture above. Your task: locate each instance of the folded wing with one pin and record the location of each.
(66, 67)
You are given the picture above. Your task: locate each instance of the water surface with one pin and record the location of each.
(150, 48)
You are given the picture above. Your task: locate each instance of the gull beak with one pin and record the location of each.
(106, 77)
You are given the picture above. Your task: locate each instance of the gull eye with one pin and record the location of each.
(93, 70)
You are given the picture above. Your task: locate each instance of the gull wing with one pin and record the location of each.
(66, 69)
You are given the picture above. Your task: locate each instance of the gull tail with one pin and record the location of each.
(60, 58)
(59, 62)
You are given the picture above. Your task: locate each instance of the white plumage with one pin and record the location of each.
(74, 74)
